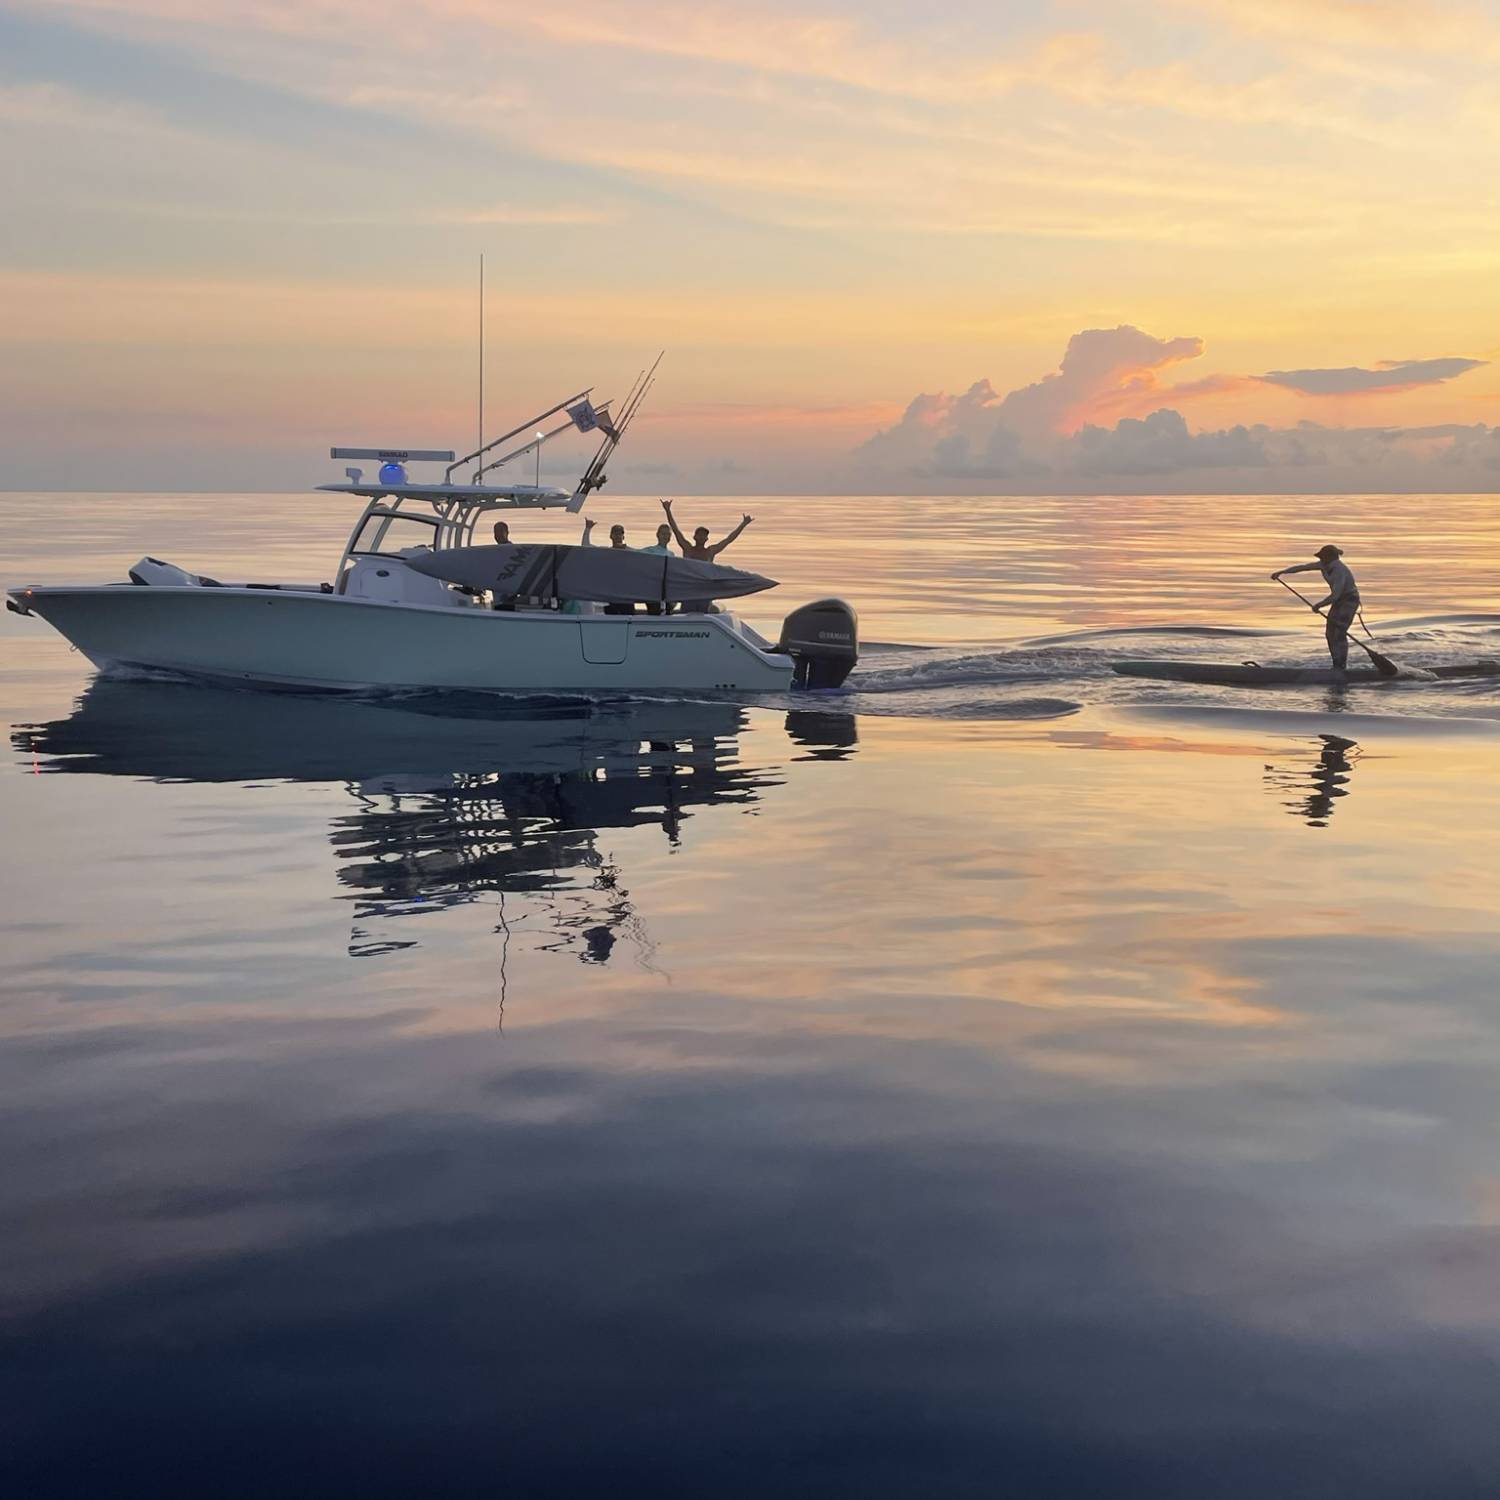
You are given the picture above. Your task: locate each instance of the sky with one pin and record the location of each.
(1021, 245)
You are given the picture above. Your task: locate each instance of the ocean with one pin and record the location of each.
(997, 1076)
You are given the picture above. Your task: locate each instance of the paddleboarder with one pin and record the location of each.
(1342, 602)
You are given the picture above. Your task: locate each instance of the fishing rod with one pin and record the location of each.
(593, 476)
(1383, 664)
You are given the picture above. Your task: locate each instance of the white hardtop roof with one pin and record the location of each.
(579, 414)
(514, 496)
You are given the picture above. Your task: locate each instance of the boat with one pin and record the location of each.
(1254, 674)
(388, 621)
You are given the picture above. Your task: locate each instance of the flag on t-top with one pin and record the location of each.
(585, 418)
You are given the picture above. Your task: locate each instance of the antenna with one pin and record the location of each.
(481, 348)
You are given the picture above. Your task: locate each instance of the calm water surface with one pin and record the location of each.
(1000, 1078)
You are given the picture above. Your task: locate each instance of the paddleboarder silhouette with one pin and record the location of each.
(1342, 602)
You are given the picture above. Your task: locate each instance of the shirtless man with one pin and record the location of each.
(699, 547)
(1342, 602)
(700, 550)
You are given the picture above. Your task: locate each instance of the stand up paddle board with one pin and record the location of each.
(1252, 674)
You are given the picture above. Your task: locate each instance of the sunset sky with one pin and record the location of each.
(237, 231)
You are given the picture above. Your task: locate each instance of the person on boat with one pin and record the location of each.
(1342, 601)
(663, 547)
(616, 534)
(616, 540)
(506, 602)
(701, 550)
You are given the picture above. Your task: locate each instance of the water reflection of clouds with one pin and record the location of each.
(1076, 1094)
(772, 1247)
(1081, 1119)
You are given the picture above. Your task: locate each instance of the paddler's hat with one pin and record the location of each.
(1328, 553)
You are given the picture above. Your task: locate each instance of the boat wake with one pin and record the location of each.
(1127, 632)
(1471, 618)
(1201, 664)
(930, 670)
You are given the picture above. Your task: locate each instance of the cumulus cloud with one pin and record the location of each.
(1388, 375)
(1161, 443)
(982, 432)
(1099, 366)
(1057, 432)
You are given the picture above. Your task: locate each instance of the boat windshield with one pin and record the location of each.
(386, 535)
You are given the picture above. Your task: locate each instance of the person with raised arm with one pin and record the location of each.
(616, 534)
(700, 547)
(616, 540)
(701, 550)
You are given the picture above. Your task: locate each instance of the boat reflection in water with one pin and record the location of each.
(824, 736)
(1319, 785)
(455, 799)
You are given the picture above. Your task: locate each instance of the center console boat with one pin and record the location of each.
(406, 609)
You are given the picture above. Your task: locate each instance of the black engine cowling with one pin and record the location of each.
(822, 638)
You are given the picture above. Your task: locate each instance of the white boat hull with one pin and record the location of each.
(332, 642)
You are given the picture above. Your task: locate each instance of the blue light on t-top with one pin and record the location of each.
(393, 473)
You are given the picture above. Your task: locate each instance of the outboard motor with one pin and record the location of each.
(822, 638)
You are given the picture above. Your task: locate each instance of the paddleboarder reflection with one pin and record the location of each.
(1329, 778)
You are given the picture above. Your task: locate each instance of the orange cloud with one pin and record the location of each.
(1100, 366)
(1146, 394)
(1105, 417)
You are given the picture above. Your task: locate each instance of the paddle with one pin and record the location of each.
(1383, 664)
